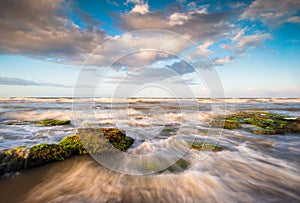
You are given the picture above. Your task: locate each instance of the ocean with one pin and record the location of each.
(251, 168)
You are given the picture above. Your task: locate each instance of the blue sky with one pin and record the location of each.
(46, 46)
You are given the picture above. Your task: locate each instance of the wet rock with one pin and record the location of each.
(19, 158)
(205, 146)
(257, 130)
(292, 128)
(96, 139)
(263, 123)
(224, 124)
(53, 122)
(178, 166)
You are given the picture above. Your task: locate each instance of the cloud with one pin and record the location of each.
(251, 41)
(134, 1)
(241, 42)
(203, 49)
(272, 12)
(138, 49)
(197, 23)
(294, 19)
(223, 61)
(23, 82)
(181, 67)
(237, 5)
(140, 9)
(42, 29)
(238, 35)
(112, 2)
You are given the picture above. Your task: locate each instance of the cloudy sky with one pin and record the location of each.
(150, 48)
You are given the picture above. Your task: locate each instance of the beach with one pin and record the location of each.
(250, 168)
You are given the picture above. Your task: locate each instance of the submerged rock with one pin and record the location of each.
(53, 122)
(263, 123)
(179, 166)
(19, 158)
(205, 146)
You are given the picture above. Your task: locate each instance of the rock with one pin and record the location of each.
(224, 124)
(292, 128)
(53, 122)
(95, 139)
(205, 146)
(263, 123)
(18, 158)
(179, 166)
(257, 130)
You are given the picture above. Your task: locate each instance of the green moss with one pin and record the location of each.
(262, 122)
(168, 130)
(19, 158)
(150, 166)
(13, 159)
(179, 165)
(52, 122)
(73, 145)
(97, 140)
(205, 146)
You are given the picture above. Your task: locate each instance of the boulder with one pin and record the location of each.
(19, 158)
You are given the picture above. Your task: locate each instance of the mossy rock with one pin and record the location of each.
(178, 166)
(205, 146)
(13, 159)
(225, 124)
(257, 122)
(168, 131)
(72, 145)
(99, 140)
(20, 157)
(53, 122)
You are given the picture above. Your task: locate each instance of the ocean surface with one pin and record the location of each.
(251, 168)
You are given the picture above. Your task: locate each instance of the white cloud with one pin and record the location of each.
(238, 35)
(237, 5)
(251, 41)
(140, 49)
(243, 42)
(182, 18)
(178, 19)
(272, 12)
(134, 1)
(223, 61)
(203, 49)
(294, 19)
(140, 8)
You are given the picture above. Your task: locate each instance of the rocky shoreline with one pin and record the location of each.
(111, 140)
(262, 123)
(99, 140)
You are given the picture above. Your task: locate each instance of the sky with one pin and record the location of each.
(136, 48)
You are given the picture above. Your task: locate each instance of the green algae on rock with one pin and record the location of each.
(20, 157)
(205, 146)
(98, 140)
(53, 122)
(258, 122)
(179, 165)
